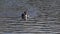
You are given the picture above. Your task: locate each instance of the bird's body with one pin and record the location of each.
(24, 16)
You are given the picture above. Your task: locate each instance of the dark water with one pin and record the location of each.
(49, 8)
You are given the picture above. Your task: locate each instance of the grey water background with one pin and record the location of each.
(15, 7)
(35, 7)
(39, 8)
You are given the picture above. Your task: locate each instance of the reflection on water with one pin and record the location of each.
(18, 33)
(7, 33)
